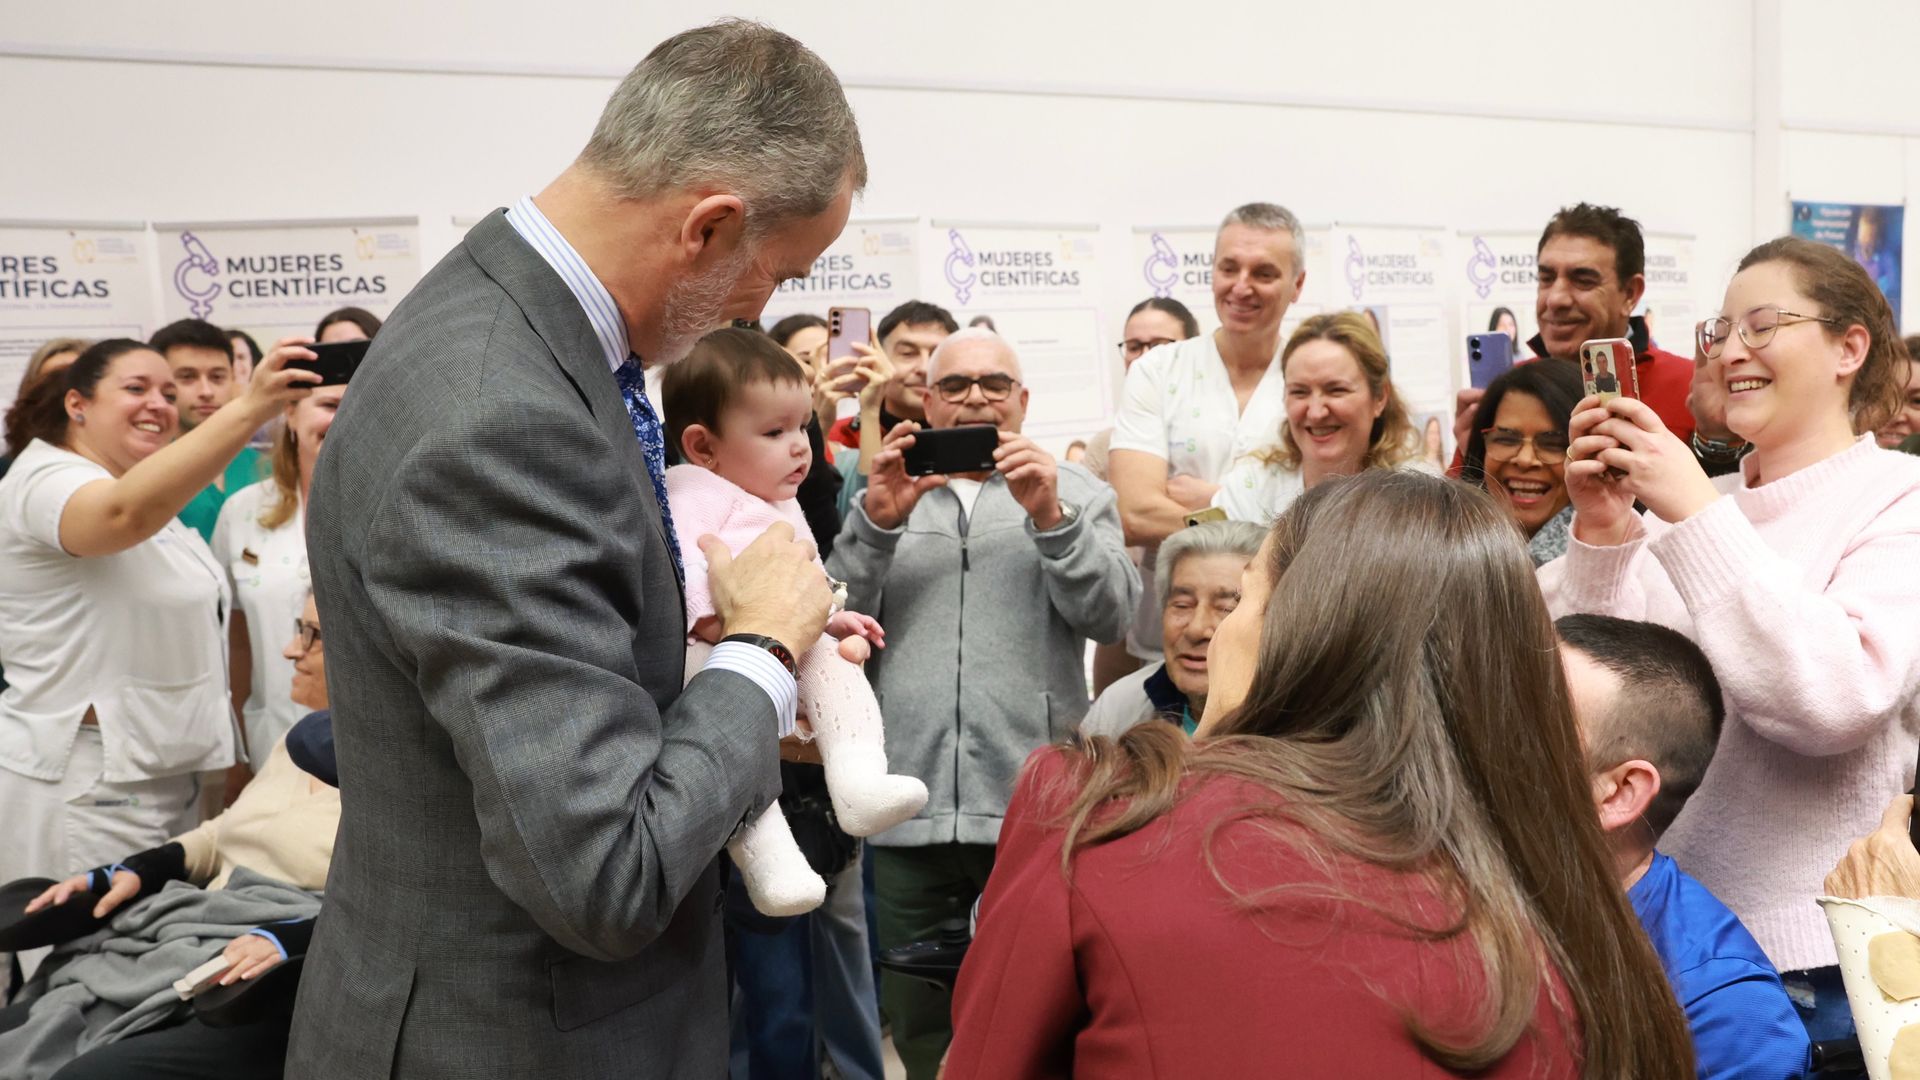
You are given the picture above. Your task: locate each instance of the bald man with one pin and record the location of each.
(1022, 564)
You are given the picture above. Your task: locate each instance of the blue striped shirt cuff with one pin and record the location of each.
(766, 672)
(271, 938)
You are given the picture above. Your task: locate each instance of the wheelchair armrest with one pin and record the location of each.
(1838, 1056)
(268, 996)
(52, 925)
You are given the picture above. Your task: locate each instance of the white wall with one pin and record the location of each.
(1388, 111)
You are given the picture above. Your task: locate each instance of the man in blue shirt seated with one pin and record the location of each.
(1650, 709)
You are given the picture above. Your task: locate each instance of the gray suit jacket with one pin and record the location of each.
(526, 879)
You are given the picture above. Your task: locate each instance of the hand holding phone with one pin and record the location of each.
(952, 450)
(845, 326)
(1489, 356)
(335, 362)
(1607, 367)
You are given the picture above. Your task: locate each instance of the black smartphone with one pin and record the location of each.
(952, 450)
(337, 361)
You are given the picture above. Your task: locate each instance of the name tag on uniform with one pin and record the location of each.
(247, 556)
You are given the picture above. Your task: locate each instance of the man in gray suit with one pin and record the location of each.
(526, 881)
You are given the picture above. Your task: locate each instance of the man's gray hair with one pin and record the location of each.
(737, 104)
(1207, 538)
(961, 337)
(1274, 218)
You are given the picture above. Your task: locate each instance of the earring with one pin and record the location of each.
(80, 418)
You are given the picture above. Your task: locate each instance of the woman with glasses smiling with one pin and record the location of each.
(1518, 451)
(1798, 576)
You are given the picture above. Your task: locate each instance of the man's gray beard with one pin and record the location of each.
(693, 306)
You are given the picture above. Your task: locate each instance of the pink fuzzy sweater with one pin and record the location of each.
(1805, 595)
(705, 502)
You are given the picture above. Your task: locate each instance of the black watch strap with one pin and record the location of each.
(761, 641)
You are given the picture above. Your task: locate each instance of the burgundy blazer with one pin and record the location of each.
(1144, 966)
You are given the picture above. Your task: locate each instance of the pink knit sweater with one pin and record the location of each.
(705, 502)
(1805, 595)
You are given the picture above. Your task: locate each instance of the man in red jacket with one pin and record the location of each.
(1592, 265)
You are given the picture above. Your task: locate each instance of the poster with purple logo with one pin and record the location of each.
(1175, 263)
(277, 278)
(875, 264)
(1040, 285)
(61, 279)
(1497, 282)
(1178, 263)
(1875, 237)
(1394, 276)
(1670, 306)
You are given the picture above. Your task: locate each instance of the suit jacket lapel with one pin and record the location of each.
(555, 314)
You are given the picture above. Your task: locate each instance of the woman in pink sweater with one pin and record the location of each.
(1799, 577)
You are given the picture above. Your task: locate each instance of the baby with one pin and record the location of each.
(737, 407)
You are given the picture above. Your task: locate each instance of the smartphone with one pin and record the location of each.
(952, 450)
(1201, 517)
(337, 361)
(846, 325)
(1488, 357)
(1606, 364)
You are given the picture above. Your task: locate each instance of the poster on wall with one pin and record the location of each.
(1498, 282)
(277, 278)
(1178, 263)
(1874, 236)
(1670, 306)
(875, 264)
(70, 280)
(1393, 275)
(1040, 285)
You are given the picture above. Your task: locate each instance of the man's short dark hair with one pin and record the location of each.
(1607, 225)
(917, 313)
(698, 389)
(1668, 711)
(196, 333)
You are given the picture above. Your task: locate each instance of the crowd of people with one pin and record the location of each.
(1247, 739)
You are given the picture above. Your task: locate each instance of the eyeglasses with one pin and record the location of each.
(306, 634)
(1503, 444)
(954, 388)
(1756, 328)
(1134, 348)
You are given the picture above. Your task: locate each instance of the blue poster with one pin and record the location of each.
(1871, 234)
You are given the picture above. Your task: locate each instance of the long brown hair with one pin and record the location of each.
(1844, 292)
(1393, 440)
(1410, 711)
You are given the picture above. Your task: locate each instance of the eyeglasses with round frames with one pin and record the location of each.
(1756, 334)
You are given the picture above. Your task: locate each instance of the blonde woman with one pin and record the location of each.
(1342, 417)
(261, 542)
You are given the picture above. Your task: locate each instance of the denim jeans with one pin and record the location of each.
(1820, 997)
(808, 989)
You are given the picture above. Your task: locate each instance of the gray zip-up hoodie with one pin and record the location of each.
(987, 625)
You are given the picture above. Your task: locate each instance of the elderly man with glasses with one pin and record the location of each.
(990, 585)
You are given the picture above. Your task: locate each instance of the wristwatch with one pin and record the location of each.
(1069, 513)
(1715, 450)
(761, 641)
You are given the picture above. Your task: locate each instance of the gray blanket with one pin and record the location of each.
(119, 981)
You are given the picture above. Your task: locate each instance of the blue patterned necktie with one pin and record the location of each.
(653, 446)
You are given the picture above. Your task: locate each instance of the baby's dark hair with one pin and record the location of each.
(698, 389)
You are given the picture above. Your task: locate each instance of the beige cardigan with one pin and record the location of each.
(280, 826)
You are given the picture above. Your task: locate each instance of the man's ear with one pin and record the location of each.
(696, 445)
(1632, 290)
(1623, 793)
(713, 229)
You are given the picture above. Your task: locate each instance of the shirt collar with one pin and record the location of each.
(602, 313)
(1166, 698)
